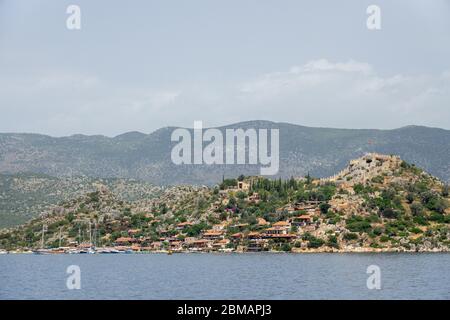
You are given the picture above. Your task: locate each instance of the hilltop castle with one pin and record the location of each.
(365, 168)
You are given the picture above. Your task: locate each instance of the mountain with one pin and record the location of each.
(319, 151)
(376, 203)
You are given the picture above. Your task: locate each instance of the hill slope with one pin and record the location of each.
(24, 196)
(377, 203)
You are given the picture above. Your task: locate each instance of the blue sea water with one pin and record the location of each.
(226, 276)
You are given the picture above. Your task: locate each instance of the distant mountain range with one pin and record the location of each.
(318, 151)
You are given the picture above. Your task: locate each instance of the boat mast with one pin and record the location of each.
(60, 236)
(90, 234)
(95, 234)
(44, 228)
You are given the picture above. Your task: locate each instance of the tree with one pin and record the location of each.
(324, 207)
(241, 195)
(231, 202)
(410, 197)
(286, 247)
(446, 190)
(195, 230)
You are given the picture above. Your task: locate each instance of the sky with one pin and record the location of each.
(143, 65)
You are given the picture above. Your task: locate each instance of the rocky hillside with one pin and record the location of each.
(24, 196)
(319, 151)
(377, 203)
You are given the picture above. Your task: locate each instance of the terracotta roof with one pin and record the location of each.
(182, 224)
(241, 225)
(124, 239)
(281, 224)
(213, 233)
(201, 241)
(274, 228)
(253, 234)
(212, 230)
(289, 235)
(223, 241)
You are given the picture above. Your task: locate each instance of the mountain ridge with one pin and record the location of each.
(135, 155)
(137, 133)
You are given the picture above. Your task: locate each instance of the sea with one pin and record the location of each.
(251, 276)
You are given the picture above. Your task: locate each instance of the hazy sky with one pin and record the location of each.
(142, 65)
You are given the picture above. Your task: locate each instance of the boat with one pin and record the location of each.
(42, 251)
(107, 251)
(57, 251)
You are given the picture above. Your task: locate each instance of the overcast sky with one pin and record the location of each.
(142, 65)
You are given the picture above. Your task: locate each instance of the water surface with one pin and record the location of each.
(226, 276)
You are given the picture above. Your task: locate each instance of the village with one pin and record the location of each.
(264, 236)
(378, 203)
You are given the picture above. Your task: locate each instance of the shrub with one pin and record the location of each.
(378, 179)
(378, 231)
(420, 220)
(410, 197)
(416, 209)
(315, 242)
(415, 230)
(350, 236)
(358, 188)
(389, 213)
(437, 217)
(358, 224)
(332, 242)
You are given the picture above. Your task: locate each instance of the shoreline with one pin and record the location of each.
(295, 252)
